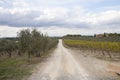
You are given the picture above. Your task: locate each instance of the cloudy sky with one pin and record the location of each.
(59, 17)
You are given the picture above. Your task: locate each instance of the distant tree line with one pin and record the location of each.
(107, 35)
(114, 34)
(30, 42)
(70, 35)
(95, 35)
(111, 37)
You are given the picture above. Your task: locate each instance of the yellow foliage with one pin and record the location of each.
(97, 45)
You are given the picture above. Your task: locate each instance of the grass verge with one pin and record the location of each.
(13, 69)
(20, 68)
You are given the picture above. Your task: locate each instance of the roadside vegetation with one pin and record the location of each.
(18, 55)
(14, 69)
(34, 43)
(104, 45)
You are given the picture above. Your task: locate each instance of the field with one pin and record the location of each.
(111, 48)
(106, 46)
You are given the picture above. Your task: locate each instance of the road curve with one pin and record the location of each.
(62, 65)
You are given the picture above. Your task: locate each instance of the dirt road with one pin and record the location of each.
(66, 64)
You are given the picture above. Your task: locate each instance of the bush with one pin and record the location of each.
(34, 43)
(8, 46)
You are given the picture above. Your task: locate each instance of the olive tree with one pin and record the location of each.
(8, 46)
(33, 42)
(24, 38)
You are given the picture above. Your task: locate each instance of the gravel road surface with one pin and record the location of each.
(68, 64)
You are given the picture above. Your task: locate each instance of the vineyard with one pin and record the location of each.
(104, 45)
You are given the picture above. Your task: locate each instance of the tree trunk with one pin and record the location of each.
(28, 55)
(19, 53)
(9, 54)
(109, 54)
(38, 54)
(103, 53)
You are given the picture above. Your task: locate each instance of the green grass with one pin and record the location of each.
(18, 68)
(13, 69)
(95, 45)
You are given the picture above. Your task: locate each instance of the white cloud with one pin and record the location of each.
(59, 19)
(102, 18)
(20, 4)
(65, 22)
(6, 31)
(53, 14)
